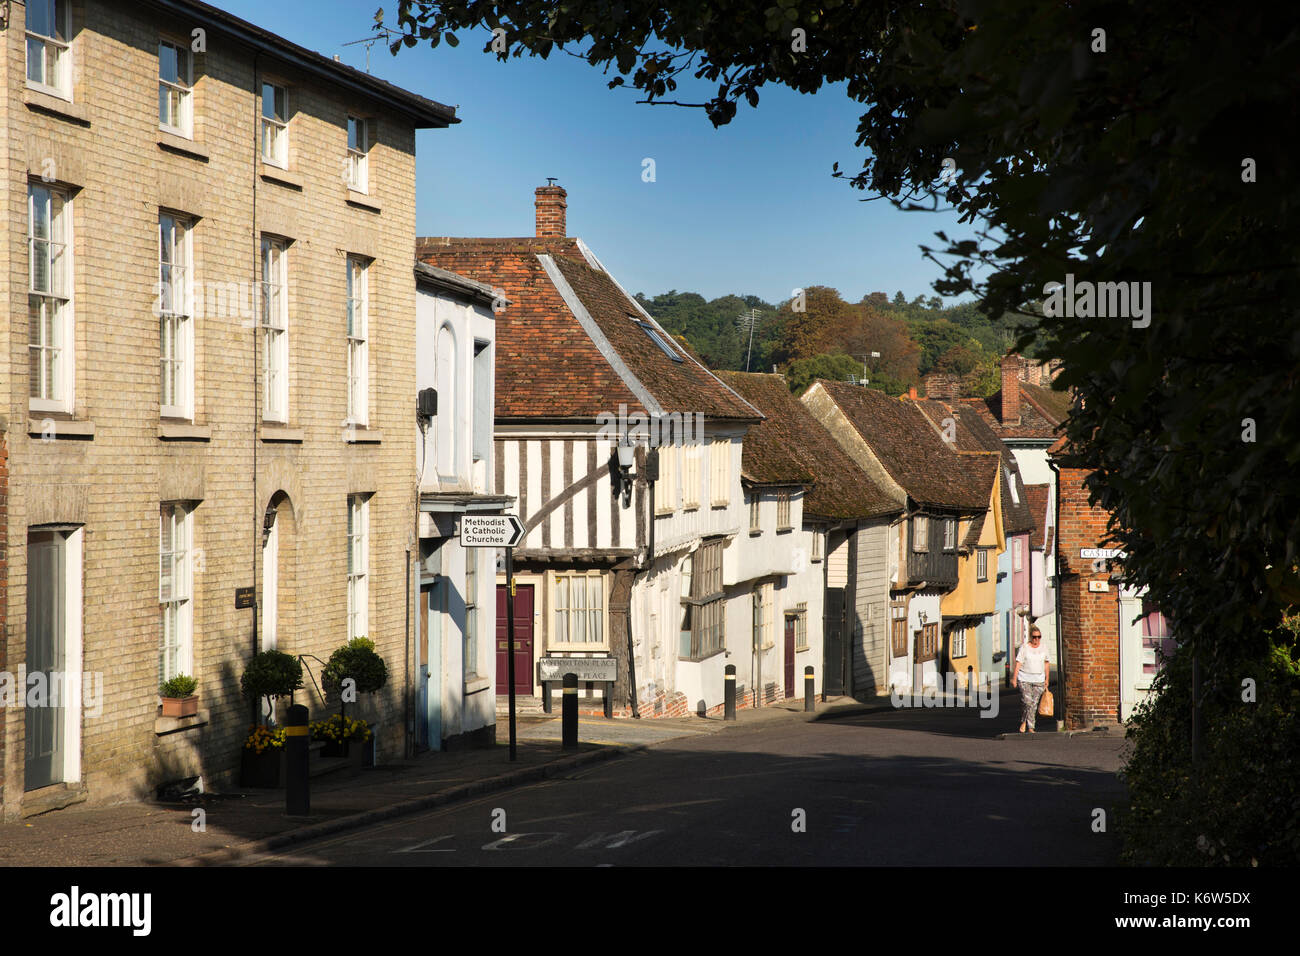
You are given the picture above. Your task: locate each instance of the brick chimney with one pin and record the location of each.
(1011, 389)
(551, 201)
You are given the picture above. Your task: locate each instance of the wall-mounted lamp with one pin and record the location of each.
(923, 618)
(626, 458)
(427, 404)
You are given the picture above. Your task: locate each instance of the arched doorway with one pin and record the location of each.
(276, 616)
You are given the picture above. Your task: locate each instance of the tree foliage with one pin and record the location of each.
(1108, 141)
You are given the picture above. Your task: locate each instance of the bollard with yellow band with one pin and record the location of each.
(297, 791)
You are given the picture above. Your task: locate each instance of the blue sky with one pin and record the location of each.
(749, 208)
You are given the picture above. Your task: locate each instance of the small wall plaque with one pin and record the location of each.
(243, 598)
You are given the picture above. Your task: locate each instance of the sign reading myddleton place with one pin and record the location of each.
(585, 668)
(490, 531)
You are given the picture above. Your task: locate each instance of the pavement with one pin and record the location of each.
(216, 828)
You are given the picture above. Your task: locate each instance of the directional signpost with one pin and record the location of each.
(499, 531)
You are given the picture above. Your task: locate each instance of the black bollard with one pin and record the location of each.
(809, 694)
(297, 789)
(729, 693)
(569, 712)
(970, 684)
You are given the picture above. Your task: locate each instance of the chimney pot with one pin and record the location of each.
(552, 204)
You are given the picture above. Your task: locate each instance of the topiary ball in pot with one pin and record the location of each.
(271, 674)
(358, 660)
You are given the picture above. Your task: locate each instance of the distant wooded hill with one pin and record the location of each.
(830, 336)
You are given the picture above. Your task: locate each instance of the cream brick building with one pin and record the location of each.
(193, 209)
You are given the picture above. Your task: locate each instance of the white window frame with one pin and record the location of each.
(981, 564)
(564, 609)
(275, 329)
(720, 472)
(469, 650)
(358, 330)
(949, 534)
(275, 127)
(358, 560)
(691, 455)
(959, 642)
(764, 638)
(359, 155)
(182, 87)
(1017, 555)
(56, 295)
(704, 599)
(175, 590)
(666, 486)
(921, 533)
(755, 513)
(783, 511)
(55, 52)
(816, 544)
(175, 315)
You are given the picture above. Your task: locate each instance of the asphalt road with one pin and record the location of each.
(904, 787)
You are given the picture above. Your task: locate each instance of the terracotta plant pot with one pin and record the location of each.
(180, 706)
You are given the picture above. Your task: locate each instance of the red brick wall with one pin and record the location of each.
(1089, 620)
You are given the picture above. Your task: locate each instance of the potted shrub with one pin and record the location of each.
(270, 674)
(178, 697)
(262, 758)
(355, 668)
(337, 732)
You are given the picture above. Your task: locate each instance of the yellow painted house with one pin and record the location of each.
(981, 541)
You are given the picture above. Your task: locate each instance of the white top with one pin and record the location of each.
(1032, 660)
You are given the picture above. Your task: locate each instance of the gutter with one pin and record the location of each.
(1056, 544)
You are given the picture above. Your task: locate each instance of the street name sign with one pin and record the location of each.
(1101, 553)
(586, 668)
(490, 531)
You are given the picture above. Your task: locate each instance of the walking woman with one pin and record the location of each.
(1032, 669)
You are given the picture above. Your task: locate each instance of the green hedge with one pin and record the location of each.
(1241, 805)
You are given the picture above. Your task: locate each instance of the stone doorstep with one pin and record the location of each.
(57, 797)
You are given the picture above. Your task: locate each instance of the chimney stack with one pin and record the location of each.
(551, 201)
(1011, 389)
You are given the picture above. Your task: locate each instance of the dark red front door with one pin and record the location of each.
(789, 657)
(523, 640)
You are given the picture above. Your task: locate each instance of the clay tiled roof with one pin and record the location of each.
(1051, 404)
(909, 448)
(972, 433)
(791, 442)
(685, 386)
(1042, 410)
(548, 365)
(983, 468)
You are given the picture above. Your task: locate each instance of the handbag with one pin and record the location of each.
(1045, 704)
